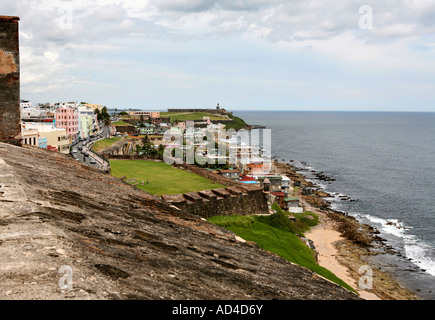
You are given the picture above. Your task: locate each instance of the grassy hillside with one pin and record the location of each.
(104, 143)
(237, 124)
(273, 233)
(188, 116)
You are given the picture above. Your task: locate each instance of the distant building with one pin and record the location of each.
(88, 122)
(42, 142)
(68, 118)
(55, 138)
(146, 114)
(30, 136)
(36, 114)
(94, 106)
(275, 182)
(249, 180)
(292, 205)
(25, 104)
(257, 169)
(233, 174)
(279, 198)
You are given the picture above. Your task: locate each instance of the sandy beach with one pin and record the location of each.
(344, 258)
(324, 237)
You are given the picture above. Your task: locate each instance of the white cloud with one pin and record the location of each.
(66, 42)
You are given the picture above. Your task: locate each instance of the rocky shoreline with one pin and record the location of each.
(359, 241)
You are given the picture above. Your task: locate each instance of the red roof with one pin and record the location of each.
(227, 171)
(278, 194)
(246, 178)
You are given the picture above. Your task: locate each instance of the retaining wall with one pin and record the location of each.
(237, 198)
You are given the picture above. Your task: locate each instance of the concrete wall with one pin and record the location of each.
(10, 117)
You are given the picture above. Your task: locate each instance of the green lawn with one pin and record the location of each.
(284, 243)
(120, 123)
(162, 178)
(188, 116)
(104, 143)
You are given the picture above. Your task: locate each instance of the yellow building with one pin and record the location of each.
(94, 106)
(56, 137)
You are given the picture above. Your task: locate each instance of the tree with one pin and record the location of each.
(149, 149)
(107, 122)
(160, 150)
(145, 140)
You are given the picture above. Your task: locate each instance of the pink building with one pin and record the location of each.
(68, 119)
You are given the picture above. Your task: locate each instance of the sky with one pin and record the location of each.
(243, 54)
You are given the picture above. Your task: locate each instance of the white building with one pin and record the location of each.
(88, 121)
(33, 113)
(25, 104)
(30, 136)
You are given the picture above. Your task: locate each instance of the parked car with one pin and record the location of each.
(93, 161)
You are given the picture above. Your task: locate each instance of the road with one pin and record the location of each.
(80, 155)
(84, 146)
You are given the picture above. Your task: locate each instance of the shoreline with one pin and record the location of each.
(343, 244)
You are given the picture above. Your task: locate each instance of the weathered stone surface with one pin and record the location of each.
(207, 194)
(122, 243)
(10, 118)
(174, 198)
(221, 192)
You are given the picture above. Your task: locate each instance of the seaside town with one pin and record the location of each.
(187, 203)
(91, 132)
(129, 144)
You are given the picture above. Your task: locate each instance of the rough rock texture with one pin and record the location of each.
(123, 243)
(10, 126)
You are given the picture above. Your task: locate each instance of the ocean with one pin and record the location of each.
(380, 168)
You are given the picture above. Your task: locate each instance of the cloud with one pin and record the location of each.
(205, 5)
(66, 44)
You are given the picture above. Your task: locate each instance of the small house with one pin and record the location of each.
(233, 174)
(279, 198)
(292, 205)
(249, 180)
(275, 182)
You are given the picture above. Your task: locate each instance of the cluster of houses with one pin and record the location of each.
(247, 165)
(56, 126)
(278, 187)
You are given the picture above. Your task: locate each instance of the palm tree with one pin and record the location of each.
(107, 123)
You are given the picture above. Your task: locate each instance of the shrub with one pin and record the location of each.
(280, 220)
